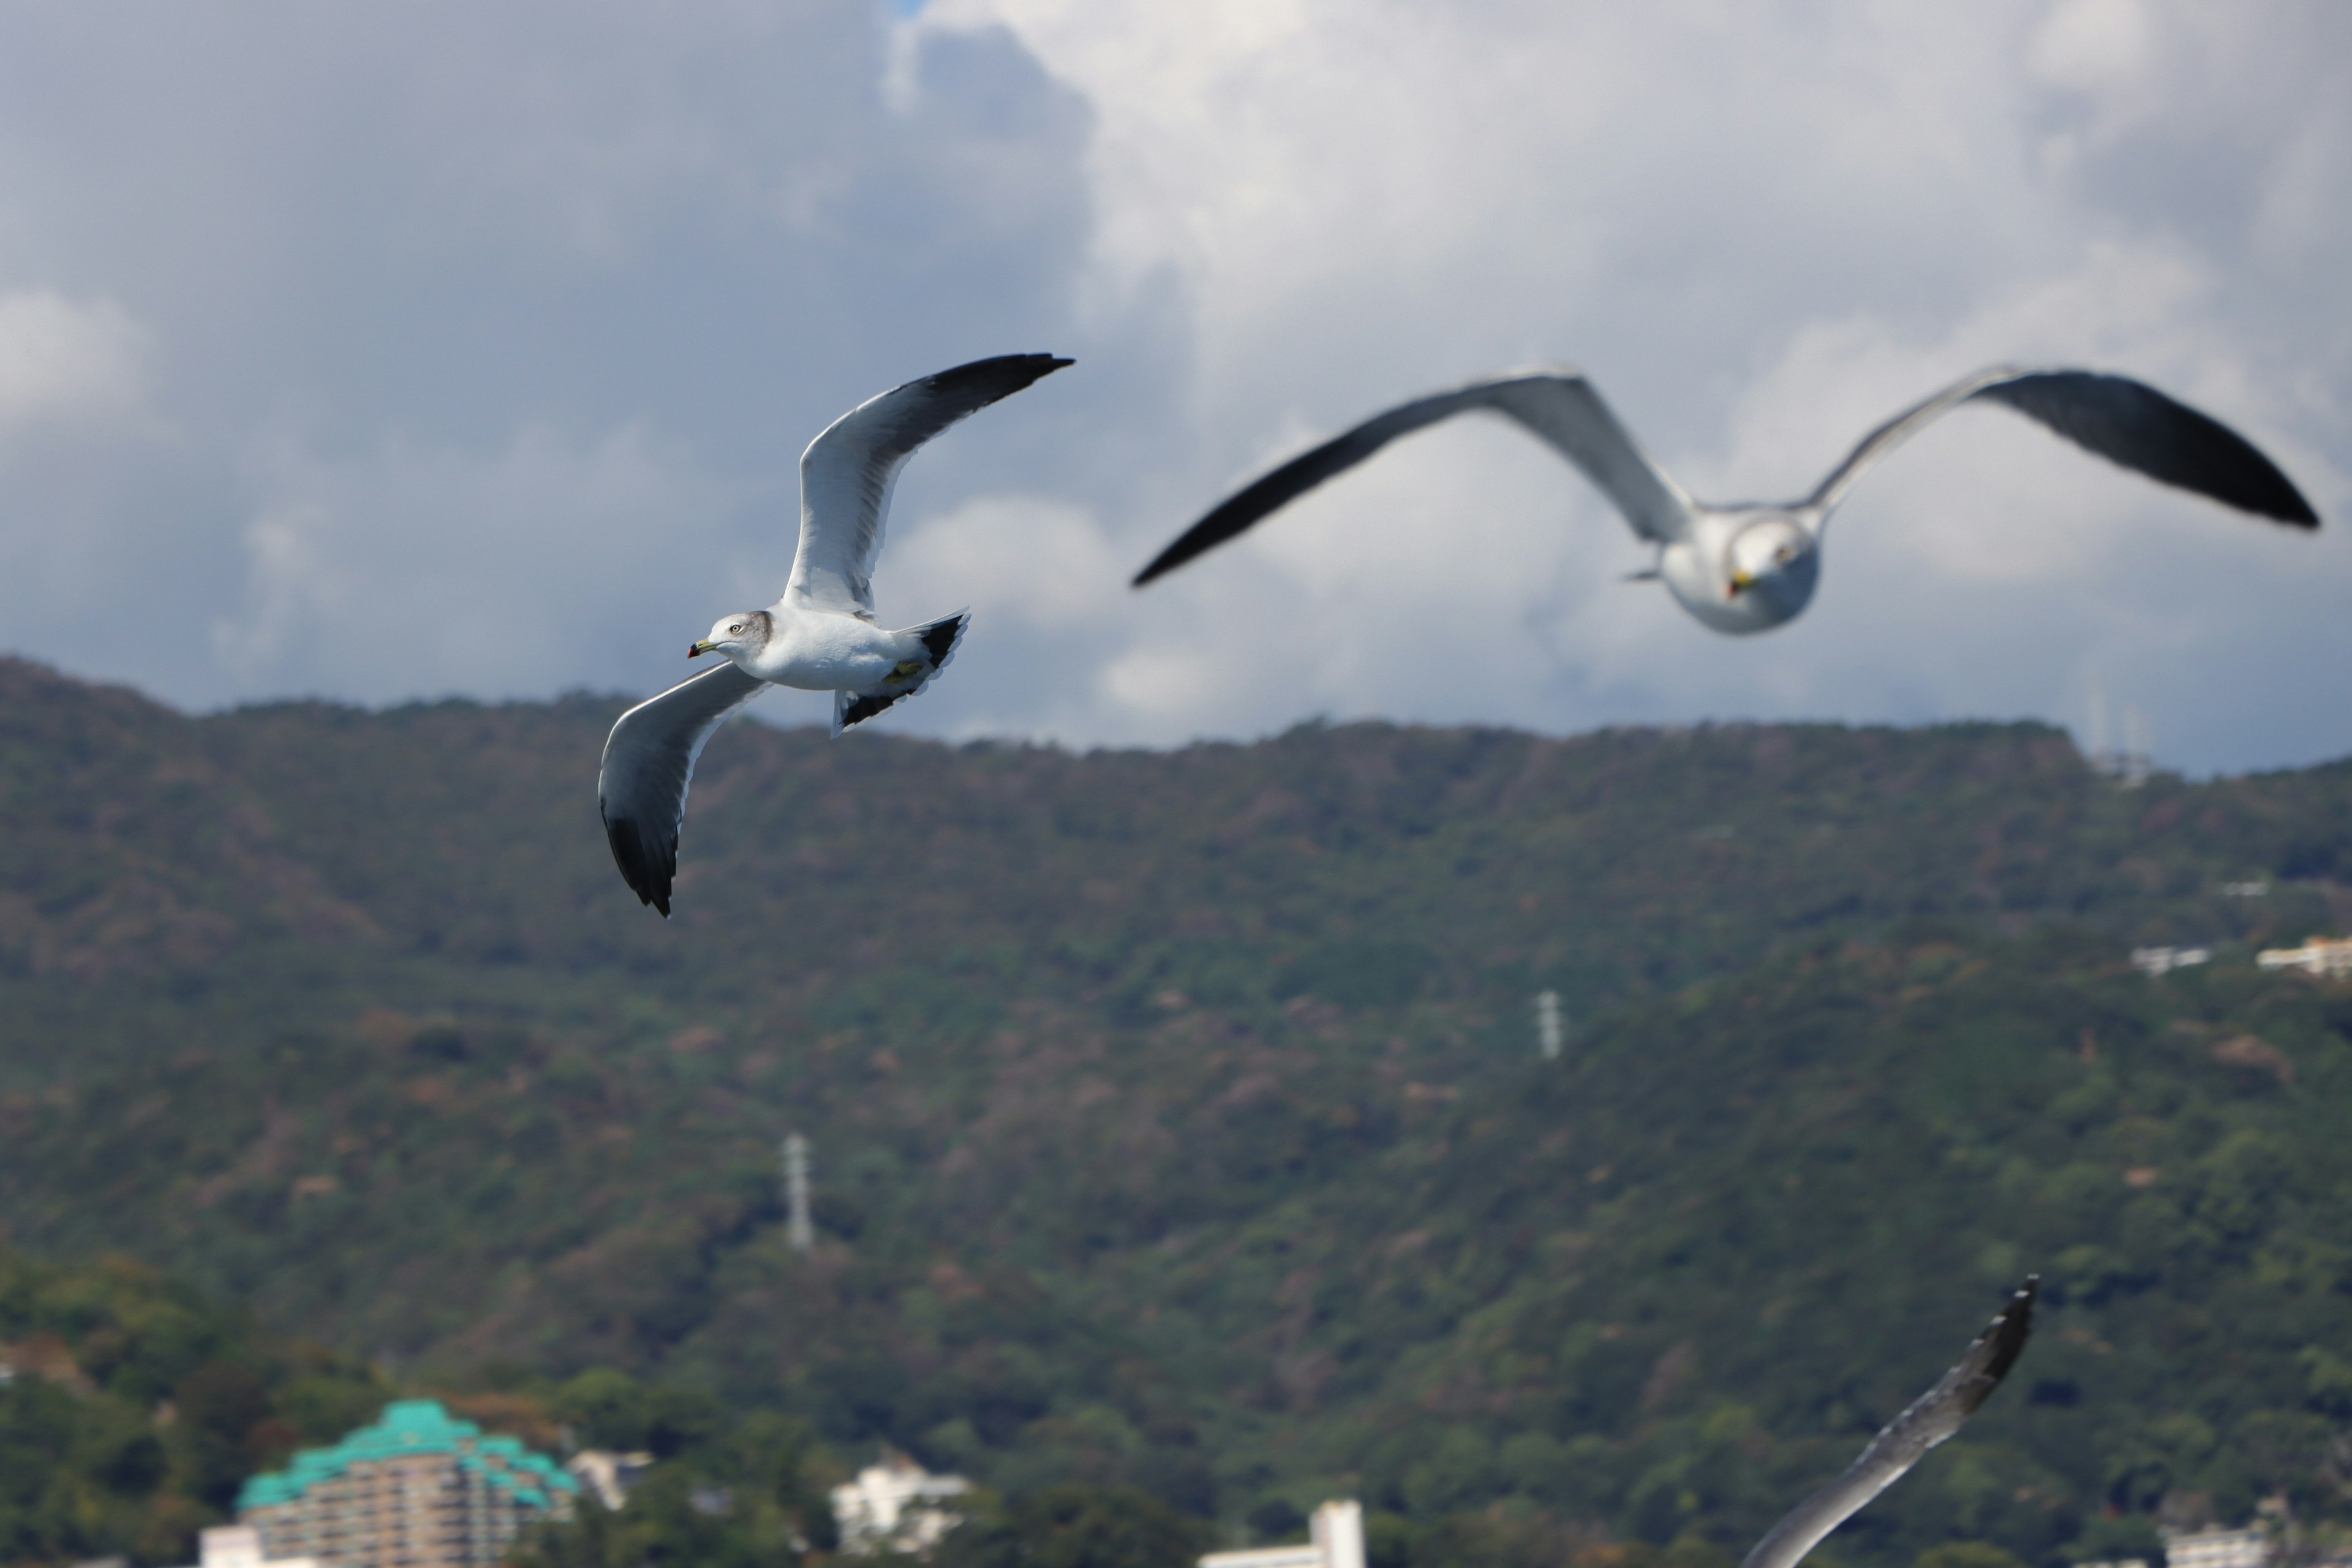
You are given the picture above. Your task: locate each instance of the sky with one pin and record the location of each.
(392, 353)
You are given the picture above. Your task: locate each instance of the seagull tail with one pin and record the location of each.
(940, 641)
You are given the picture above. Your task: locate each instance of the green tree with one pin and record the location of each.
(1074, 1526)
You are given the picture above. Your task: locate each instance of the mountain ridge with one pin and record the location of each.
(1177, 1116)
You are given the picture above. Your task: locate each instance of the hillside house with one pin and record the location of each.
(239, 1546)
(2248, 1547)
(1335, 1541)
(2329, 957)
(894, 1505)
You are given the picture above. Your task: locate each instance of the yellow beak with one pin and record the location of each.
(1741, 582)
(701, 647)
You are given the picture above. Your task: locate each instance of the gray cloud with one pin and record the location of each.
(441, 348)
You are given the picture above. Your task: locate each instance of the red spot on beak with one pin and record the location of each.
(694, 650)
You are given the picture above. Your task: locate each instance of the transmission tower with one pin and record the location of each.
(1547, 1026)
(799, 1234)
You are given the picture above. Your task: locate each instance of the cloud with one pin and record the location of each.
(492, 334)
(415, 570)
(63, 364)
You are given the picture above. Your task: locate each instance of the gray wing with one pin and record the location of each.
(848, 472)
(648, 758)
(1559, 405)
(1932, 1418)
(2125, 421)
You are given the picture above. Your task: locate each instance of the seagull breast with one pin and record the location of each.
(1743, 569)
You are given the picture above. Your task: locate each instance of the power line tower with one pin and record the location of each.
(2135, 763)
(799, 1234)
(1548, 1024)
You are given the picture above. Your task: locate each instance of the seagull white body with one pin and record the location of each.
(820, 636)
(1905, 1441)
(822, 650)
(1749, 568)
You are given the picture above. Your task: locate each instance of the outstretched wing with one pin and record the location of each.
(1932, 1418)
(1560, 406)
(648, 758)
(2123, 420)
(847, 471)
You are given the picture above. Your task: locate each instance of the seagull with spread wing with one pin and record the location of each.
(821, 636)
(1750, 567)
(1904, 1441)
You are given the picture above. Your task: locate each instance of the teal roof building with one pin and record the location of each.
(419, 1489)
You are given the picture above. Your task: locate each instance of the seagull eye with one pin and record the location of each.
(734, 631)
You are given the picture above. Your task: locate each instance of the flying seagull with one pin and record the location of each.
(821, 636)
(1932, 1418)
(1747, 568)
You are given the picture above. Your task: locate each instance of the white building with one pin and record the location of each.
(2217, 1548)
(609, 1475)
(895, 1506)
(1337, 1542)
(2155, 960)
(2327, 956)
(239, 1546)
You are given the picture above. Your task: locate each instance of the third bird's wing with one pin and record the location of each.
(1932, 1418)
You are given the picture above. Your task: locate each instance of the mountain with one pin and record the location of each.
(1176, 1116)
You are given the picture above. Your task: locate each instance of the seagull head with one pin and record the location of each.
(1773, 560)
(745, 632)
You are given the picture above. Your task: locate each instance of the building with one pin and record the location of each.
(2155, 961)
(608, 1478)
(417, 1490)
(895, 1506)
(1335, 1541)
(239, 1546)
(2247, 1548)
(2327, 957)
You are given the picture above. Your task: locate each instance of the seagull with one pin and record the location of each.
(1748, 568)
(1932, 1418)
(820, 636)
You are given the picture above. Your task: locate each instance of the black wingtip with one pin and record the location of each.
(643, 867)
(997, 377)
(2009, 1331)
(861, 708)
(1229, 518)
(2133, 424)
(1167, 561)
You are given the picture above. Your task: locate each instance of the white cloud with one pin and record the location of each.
(414, 569)
(67, 363)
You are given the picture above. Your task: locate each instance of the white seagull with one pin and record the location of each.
(1904, 1441)
(821, 636)
(1749, 567)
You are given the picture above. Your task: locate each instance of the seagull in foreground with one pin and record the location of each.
(821, 636)
(1932, 1418)
(1748, 568)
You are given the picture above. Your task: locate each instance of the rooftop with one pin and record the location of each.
(416, 1426)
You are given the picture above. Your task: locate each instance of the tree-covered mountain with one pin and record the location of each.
(1177, 1117)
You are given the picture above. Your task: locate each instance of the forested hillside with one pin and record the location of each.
(1177, 1118)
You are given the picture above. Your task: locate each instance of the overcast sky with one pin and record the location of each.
(392, 352)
